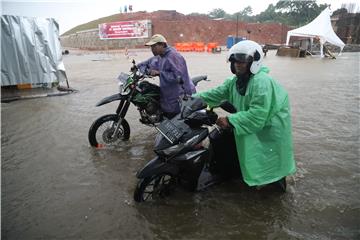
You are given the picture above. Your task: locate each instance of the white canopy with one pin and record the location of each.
(320, 28)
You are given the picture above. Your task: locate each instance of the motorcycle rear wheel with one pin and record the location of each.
(101, 131)
(154, 187)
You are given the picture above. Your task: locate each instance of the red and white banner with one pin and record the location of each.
(124, 30)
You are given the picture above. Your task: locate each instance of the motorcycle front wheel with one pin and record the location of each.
(102, 130)
(154, 187)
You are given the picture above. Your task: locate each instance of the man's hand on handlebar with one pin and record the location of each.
(223, 122)
(154, 73)
(134, 68)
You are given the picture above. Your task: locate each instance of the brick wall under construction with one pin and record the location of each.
(181, 32)
(177, 27)
(90, 40)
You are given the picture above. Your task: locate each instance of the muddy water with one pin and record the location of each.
(54, 186)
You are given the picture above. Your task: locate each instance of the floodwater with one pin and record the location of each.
(55, 186)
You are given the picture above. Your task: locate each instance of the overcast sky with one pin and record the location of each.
(70, 13)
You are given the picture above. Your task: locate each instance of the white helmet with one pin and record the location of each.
(247, 51)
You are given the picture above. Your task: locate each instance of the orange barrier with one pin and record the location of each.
(187, 47)
(178, 46)
(196, 46)
(212, 45)
(190, 46)
(199, 47)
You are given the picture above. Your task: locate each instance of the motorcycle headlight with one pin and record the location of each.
(123, 79)
(121, 86)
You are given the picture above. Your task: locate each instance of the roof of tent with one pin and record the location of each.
(320, 27)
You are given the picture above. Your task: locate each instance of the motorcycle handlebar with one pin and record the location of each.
(138, 74)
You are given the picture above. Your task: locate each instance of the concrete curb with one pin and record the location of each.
(8, 99)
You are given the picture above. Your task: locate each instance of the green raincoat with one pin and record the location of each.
(262, 127)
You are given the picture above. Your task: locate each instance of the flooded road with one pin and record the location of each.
(55, 186)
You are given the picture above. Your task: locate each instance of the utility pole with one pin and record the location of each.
(237, 28)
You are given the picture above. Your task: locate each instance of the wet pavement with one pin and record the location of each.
(55, 186)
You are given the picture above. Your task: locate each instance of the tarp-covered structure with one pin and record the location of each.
(30, 51)
(319, 28)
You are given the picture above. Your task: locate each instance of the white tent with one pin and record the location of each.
(320, 28)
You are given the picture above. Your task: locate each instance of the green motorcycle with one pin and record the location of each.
(111, 129)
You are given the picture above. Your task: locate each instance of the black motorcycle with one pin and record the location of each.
(111, 129)
(183, 159)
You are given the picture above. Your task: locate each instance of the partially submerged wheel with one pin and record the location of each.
(101, 132)
(154, 187)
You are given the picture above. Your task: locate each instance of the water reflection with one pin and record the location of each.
(228, 210)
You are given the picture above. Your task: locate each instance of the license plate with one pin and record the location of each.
(170, 131)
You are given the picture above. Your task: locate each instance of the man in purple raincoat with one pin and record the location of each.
(171, 67)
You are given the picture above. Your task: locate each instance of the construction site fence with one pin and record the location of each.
(196, 46)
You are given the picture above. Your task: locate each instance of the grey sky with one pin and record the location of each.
(72, 13)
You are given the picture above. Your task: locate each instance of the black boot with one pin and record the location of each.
(281, 184)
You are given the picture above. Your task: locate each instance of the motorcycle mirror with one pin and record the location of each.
(198, 104)
(191, 105)
(228, 107)
(134, 68)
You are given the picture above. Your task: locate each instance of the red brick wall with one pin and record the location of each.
(201, 28)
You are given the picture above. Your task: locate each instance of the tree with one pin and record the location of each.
(247, 11)
(299, 13)
(195, 14)
(340, 11)
(217, 13)
(245, 14)
(268, 15)
(350, 7)
(290, 12)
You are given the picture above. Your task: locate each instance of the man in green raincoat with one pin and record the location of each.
(262, 123)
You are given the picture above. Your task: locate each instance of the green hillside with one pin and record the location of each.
(92, 24)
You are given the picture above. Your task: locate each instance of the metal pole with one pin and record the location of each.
(237, 27)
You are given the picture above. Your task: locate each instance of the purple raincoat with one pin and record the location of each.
(172, 67)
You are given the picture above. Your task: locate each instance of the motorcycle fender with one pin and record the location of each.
(156, 166)
(111, 98)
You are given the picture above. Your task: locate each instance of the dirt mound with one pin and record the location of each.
(163, 15)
